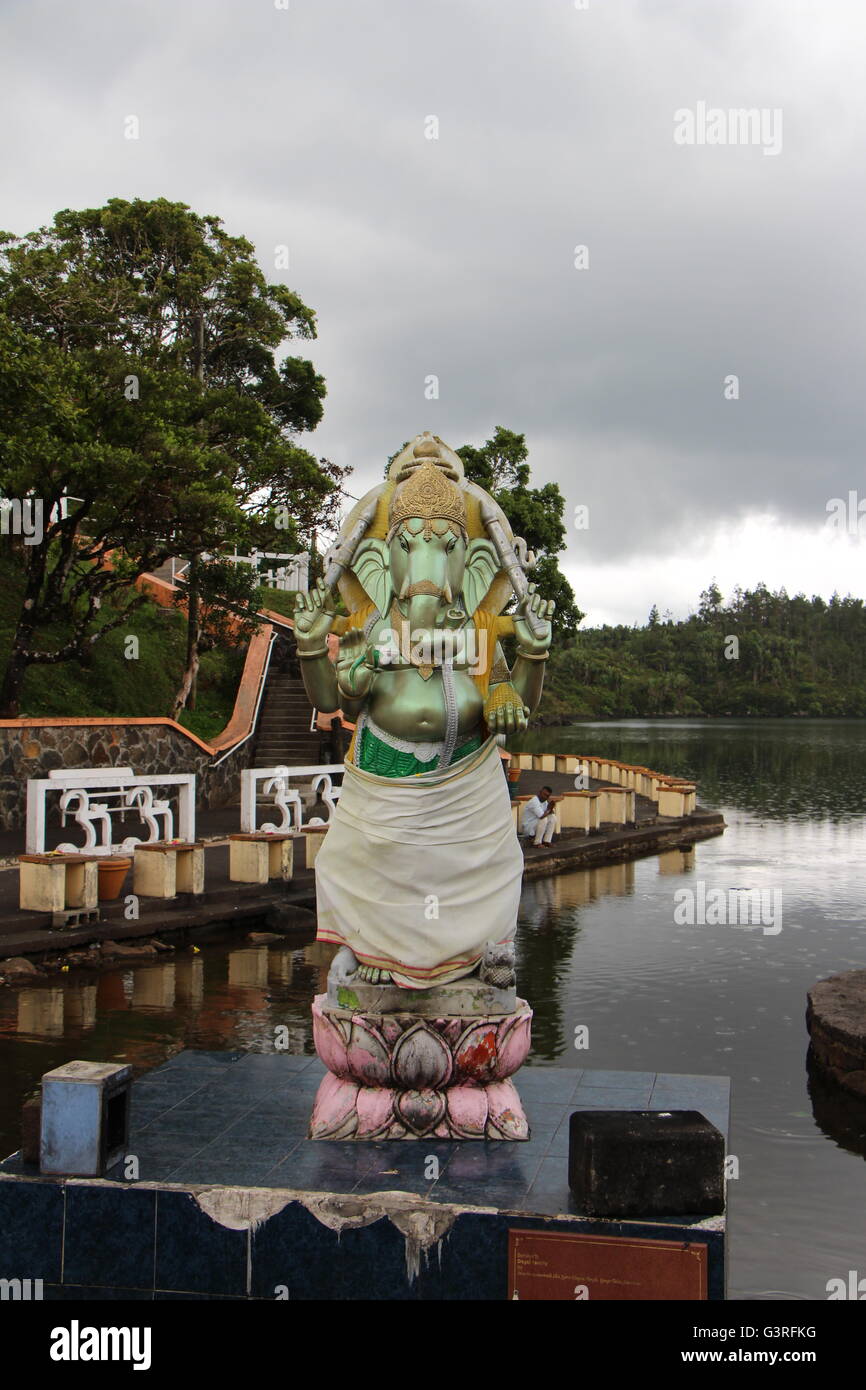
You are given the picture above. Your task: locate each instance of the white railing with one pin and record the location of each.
(292, 573)
(274, 782)
(94, 797)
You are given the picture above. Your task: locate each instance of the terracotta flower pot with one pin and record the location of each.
(112, 872)
(513, 774)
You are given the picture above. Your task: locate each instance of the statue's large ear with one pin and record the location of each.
(482, 567)
(370, 565)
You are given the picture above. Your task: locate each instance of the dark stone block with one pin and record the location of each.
(31, 1230)
(195, 1254)
(161, 1296)
(78, 1293)
(295, 1254)
(109, 1235)
(646, 1163)
(469, 1263)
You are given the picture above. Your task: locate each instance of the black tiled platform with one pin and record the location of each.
(239, 1120)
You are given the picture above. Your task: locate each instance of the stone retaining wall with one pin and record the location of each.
(148, 747)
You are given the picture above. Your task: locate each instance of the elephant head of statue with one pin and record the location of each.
(427, 568)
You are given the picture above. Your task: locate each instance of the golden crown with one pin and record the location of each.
(427, 494)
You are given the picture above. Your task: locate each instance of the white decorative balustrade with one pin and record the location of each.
(289, 571)
(93, 798)
(274, 782)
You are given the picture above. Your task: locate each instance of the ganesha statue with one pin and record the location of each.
(418, 880)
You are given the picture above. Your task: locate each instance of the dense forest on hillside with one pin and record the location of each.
(759, 653)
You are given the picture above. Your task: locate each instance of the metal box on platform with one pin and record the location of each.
(85, 1118)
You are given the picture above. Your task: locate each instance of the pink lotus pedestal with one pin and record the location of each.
(407, 1076)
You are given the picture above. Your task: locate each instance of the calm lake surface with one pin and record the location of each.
(602, 949)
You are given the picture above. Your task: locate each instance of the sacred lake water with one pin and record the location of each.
(607, 959)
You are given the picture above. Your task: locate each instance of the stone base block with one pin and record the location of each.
(470, 997)
(259, 857)
(408, 1076)
(55, 882)
(627, 1163)
(163, 869)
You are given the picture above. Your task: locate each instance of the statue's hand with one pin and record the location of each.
(535, 643)
(355, 663)
(314, 614)
(504, 710)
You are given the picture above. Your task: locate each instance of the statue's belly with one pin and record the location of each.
(405, 705)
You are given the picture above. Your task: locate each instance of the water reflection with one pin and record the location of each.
(227, 997)
(249, 969)
(153, 987)
(677, 861)
(80, 1007)
(800, 768)
(40, 1012)
(839, 1114)
(189, 982)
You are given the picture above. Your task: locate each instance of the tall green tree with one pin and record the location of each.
(501, 467)
(143, 340)
(792, 655)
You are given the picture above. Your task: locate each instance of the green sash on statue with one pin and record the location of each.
(382, 760)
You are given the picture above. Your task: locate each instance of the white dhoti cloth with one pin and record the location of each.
(417, 873)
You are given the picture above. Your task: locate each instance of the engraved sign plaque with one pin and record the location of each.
(566, 1265)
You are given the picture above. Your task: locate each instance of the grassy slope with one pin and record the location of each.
(112, 683)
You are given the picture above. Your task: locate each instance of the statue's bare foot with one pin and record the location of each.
(497, 964)
(371, 976)
(344, 964)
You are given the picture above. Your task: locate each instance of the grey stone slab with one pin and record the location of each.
(618, 1080)
(611, 1097)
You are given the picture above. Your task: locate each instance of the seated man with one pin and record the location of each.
(539, 816)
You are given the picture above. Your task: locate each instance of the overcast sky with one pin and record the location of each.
(455, 257)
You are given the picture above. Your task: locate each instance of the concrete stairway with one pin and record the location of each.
(284, 725)
(163, 571)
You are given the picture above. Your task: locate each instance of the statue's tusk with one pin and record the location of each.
(507, 557)
(340, 556)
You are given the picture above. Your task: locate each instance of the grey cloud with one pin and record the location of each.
(454, 256)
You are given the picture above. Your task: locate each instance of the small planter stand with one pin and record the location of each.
(258, 857)
(167, 867)
(59, 884)
(544, 762)
(314, 838)
(618, 805)
(581, 811)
